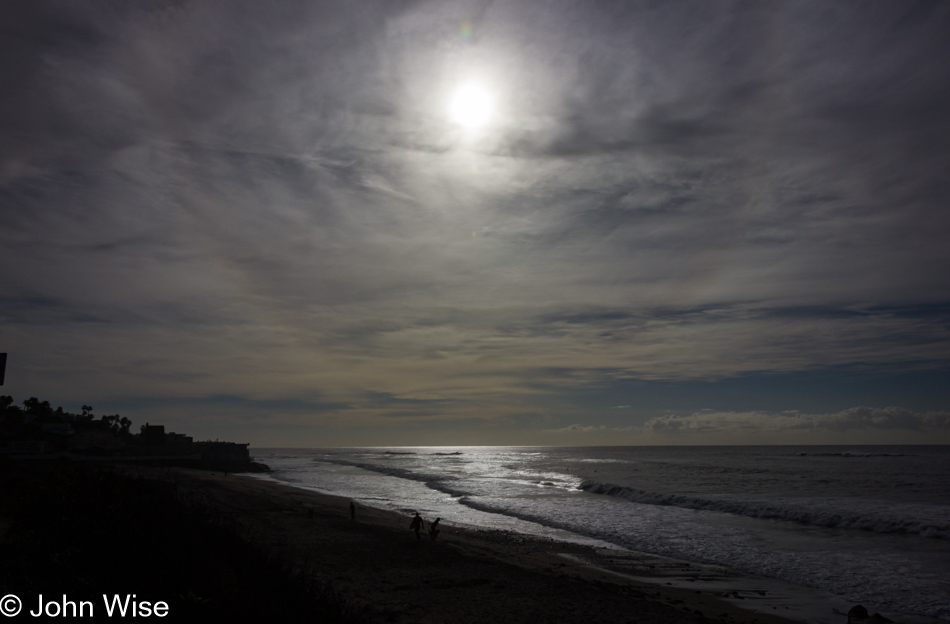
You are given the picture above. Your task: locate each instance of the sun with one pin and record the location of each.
(471, 106)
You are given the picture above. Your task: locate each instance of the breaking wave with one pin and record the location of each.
(769, 510)
(435, 481)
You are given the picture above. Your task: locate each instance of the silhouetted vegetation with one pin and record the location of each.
(41, 412)
(84, 530)
(38, 421)
(37, 429)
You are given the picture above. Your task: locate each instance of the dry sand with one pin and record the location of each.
(466, 575)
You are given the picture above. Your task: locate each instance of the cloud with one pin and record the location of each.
(868, 424)
(855, 418)
(579, 429)
(227, 199)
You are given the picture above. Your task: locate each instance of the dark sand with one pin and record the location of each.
(465, 576)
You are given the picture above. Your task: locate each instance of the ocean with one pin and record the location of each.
(867, 525)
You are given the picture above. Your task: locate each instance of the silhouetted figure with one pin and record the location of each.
(310, 515)
(352, 511)
(417, 525)
(434, 529)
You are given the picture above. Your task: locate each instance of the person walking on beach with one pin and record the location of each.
(352, 511)
(417, 525)
(434, 529)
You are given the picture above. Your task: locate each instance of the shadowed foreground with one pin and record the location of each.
(82, 531)
(214, 546)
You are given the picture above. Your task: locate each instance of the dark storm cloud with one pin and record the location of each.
(270, 201)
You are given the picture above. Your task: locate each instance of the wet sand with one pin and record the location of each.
(466, 575)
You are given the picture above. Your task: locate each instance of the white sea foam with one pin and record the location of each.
(807, 511)
(856, 522)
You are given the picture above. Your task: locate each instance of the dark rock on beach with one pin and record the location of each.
(859, 615)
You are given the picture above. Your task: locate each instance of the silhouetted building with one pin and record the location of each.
(223, 452)
(178, 444)
(58, 428)
(28, 447)
(96, 440)
(153, 435)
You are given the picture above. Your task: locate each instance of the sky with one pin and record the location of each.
(389, 222)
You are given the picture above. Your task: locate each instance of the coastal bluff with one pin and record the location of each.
(38, 431)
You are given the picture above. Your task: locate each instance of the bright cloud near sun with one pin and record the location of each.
(481, 222)
(471, 106)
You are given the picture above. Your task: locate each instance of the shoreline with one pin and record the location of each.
(801, 538)
(706, 586)
(289, 542)
(468, 574)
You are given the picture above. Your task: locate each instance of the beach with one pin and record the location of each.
(214, 546)
(463, 576)
(804, 532)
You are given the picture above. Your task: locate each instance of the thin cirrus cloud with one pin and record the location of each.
(272, 203)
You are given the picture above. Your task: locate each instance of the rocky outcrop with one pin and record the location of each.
(859, 615)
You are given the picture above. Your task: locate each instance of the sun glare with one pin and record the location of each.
(471, 106)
